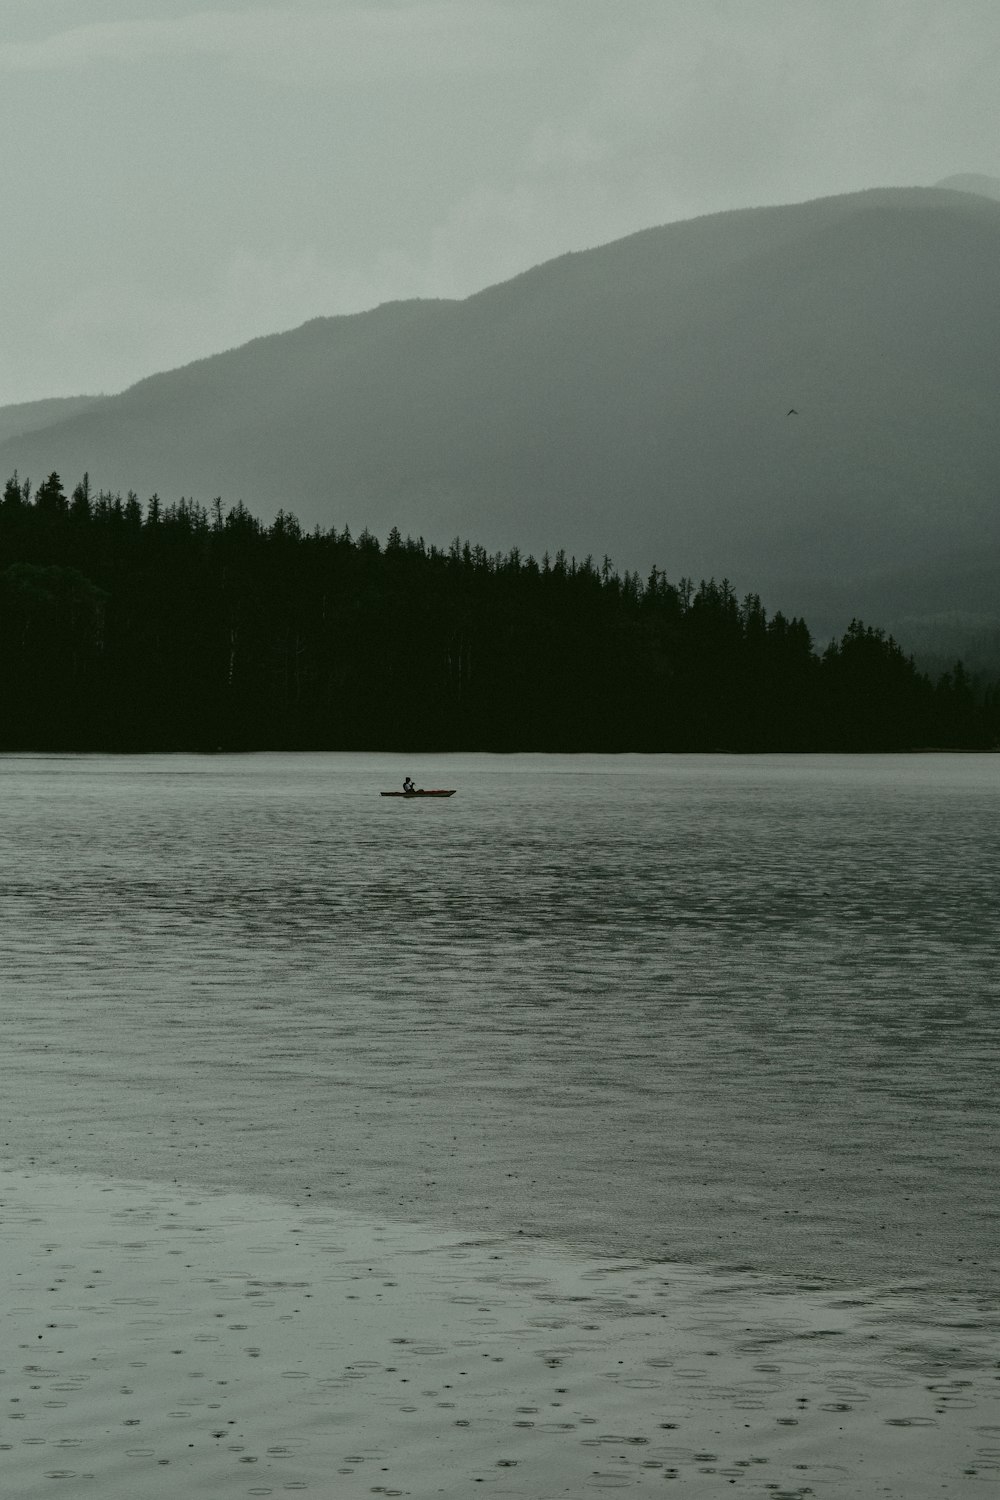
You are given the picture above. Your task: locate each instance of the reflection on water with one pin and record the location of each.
(733, 1009)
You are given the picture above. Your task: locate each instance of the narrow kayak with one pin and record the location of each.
(438, 792)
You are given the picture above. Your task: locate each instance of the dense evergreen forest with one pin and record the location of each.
(133, 627)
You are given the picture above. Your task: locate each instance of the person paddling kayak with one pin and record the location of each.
(409, 790)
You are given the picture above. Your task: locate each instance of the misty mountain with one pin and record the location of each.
(803, 398)
(29, 416)
(972, 182)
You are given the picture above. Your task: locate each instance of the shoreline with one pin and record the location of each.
(174, 1339)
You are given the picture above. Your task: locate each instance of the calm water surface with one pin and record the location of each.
(740, 1011)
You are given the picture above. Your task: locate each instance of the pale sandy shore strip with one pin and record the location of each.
(171, 1343)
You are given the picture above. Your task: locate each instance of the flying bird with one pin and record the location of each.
(791, 413)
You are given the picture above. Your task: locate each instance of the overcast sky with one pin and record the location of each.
(179, 176)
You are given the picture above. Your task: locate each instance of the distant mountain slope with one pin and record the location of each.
(29, 416)
(972, 182)
(631, 399)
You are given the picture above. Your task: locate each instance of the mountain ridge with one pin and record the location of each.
(630, 399)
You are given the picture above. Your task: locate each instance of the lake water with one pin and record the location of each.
(739, 1011)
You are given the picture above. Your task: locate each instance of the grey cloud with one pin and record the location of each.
(296, 43)
(203, 172)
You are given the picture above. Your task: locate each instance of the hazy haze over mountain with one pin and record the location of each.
(180, 176)
(799, 397)
(972, 182)
(183, 176)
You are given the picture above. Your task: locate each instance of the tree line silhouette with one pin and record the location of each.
(131, 627)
